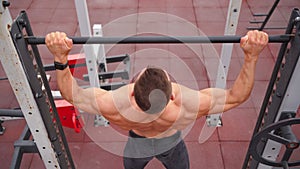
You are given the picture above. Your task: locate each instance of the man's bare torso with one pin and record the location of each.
(127, 115)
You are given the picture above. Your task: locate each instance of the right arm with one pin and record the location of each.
(88, 99)
(217, 100)
(220, 100)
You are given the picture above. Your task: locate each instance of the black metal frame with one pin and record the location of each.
(277, 87)
(43, 99)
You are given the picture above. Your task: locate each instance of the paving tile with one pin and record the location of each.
(14, 12)
(215, 15)
(26, 161)
(238, 124)
(120, 29)
(44, 4)
(258, 93)
(201, 155)
(124, 15)
(37, 162)
(149, 14)
(289, 3)
(179, 3)
(69, 28)
(155, 55)
(114, 50)
(70, 16)
(7, 94)
(72, 136)
(224, 3)
(13, 130)
(191, 69)
(99, 16)
(206, 4)
(181, 27)
(76, 152)
(93, 155)
(125, 4)
(264, 69)
(95, 4)
(181, 14)
(211, 28)
(20, 4)
(66, 4)
(152, 28)
(186, 51)
(286, 11)
(152, 4)
(39, 29)
(234, 153)
(37, 15)
(7, 149)
(253, 3)
(242, 27)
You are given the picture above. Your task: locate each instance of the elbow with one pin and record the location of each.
(68, 98)
(239, 98)
(70, 95)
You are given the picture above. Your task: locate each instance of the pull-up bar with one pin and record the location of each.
(159, 39)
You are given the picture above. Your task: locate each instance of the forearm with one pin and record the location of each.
(243, 85)
(66, 84)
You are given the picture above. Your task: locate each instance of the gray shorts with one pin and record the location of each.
(171, 151)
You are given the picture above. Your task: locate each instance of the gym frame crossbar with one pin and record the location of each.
(158, 39)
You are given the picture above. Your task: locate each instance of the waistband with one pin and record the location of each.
(140, 146)
(172, 137)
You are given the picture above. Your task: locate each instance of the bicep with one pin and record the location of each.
(88, 100)
(216, 100)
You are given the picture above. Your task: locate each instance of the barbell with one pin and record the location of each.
(159, 39)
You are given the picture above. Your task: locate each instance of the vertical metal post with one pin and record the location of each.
(99, 48)
(230, 29)
(17, 78)
(91, 51)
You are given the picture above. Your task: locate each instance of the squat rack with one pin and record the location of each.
(36, 105)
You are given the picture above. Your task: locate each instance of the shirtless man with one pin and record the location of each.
(153, 109)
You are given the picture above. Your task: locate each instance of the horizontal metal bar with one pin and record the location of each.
(257, 28)
(158, 39)
(256, 22)
(260, 14)
(11, 113)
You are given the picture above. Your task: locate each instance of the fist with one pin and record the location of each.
(253, 43)
(59, 45)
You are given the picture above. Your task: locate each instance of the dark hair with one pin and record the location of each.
(152, 90)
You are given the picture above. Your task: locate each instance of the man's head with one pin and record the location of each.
(152, 90)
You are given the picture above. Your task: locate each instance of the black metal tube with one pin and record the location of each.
(158, 39)
(11, 113)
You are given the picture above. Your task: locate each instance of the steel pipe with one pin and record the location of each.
(158, 39)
